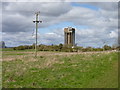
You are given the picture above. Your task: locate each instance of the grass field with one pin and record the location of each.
(59, 69)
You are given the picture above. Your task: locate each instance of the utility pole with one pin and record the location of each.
(36, 21)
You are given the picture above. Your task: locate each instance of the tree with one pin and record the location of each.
(60, 46)
(106, 47)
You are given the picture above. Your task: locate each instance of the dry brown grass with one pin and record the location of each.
(13, 55)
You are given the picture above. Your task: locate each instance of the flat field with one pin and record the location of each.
(20, 69)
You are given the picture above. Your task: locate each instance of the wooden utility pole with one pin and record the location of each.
(36, 21)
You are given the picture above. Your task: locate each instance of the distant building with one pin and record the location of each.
(2, 44)
(69, 36)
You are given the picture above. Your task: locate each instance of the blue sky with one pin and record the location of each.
(61, 25)
(85, 5)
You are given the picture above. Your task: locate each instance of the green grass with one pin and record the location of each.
(7, 49)
(75, 71)
(14, 53)
(11, 49)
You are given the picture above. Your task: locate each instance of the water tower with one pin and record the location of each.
(69, 36)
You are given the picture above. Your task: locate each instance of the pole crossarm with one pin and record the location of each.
(37, 21)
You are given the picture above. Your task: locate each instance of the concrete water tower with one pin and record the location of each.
(69, 36)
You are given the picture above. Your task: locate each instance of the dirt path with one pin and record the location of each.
(15, 54)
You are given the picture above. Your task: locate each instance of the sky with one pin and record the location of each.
(95, 23)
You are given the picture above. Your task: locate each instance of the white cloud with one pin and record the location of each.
(17, 17)
(114, 34)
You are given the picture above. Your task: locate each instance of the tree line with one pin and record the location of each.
(63, 48)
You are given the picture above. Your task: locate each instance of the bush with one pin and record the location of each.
(64, 48)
